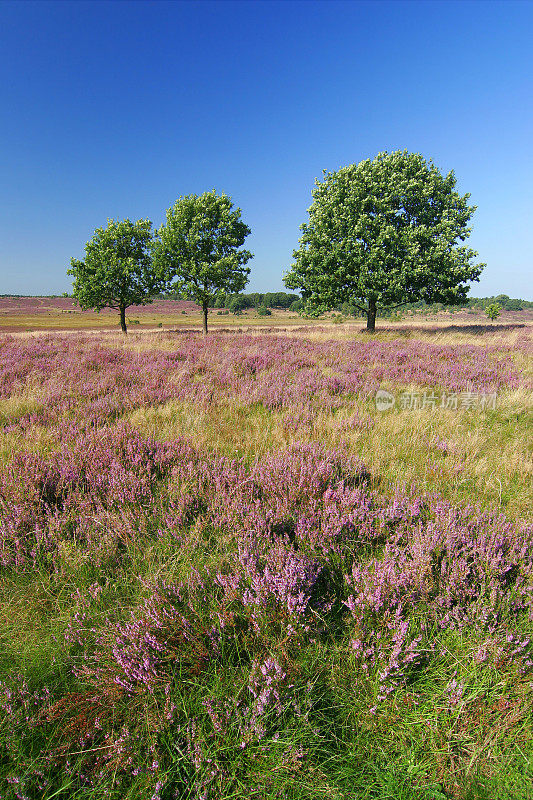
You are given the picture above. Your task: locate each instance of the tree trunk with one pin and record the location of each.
(371, 316)
(205, 309)
(123, 319)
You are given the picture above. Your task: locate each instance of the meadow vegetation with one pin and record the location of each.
(225, 573)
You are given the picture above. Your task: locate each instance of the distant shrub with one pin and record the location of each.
(493, 311)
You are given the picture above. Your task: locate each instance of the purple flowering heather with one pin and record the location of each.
(264, 557)
(278, 372)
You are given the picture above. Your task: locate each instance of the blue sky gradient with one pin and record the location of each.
(114, 109)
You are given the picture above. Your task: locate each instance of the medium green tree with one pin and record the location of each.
(383, 233)
(199, 246)
(117, 271)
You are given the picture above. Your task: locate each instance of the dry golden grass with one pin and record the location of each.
(488, 458)
(88, 321)
(11, 408)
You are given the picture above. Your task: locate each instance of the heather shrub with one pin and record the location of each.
(91, 492)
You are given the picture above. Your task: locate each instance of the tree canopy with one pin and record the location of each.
(117, 271)
(383, 233)
(198, 246)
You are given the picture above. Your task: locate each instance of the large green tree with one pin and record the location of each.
(117, 271)
(199, 246)
(383, 233)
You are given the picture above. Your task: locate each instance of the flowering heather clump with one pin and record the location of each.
(137, 653)
(455, 571)
(287, 577)
(274, 592)
(81, 493)
(264, 684)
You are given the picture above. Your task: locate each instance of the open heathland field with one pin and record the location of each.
(29, 314)
(231, 569)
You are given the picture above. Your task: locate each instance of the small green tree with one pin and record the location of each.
(493, 311)
(384, 233)
(199, 245)
(117, 271)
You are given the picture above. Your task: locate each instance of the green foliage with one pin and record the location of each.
(199, 248)
(505, 302)
(237, 305)
(117, 271)
(256, 299)
(493, 311)
(513, 305)
(382, 233)
(263, 311)
(278, 299)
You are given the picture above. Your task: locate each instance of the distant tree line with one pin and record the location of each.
(505, 303)
(238, 302)
(257, 300)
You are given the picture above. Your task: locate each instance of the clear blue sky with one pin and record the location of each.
(115, 109)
